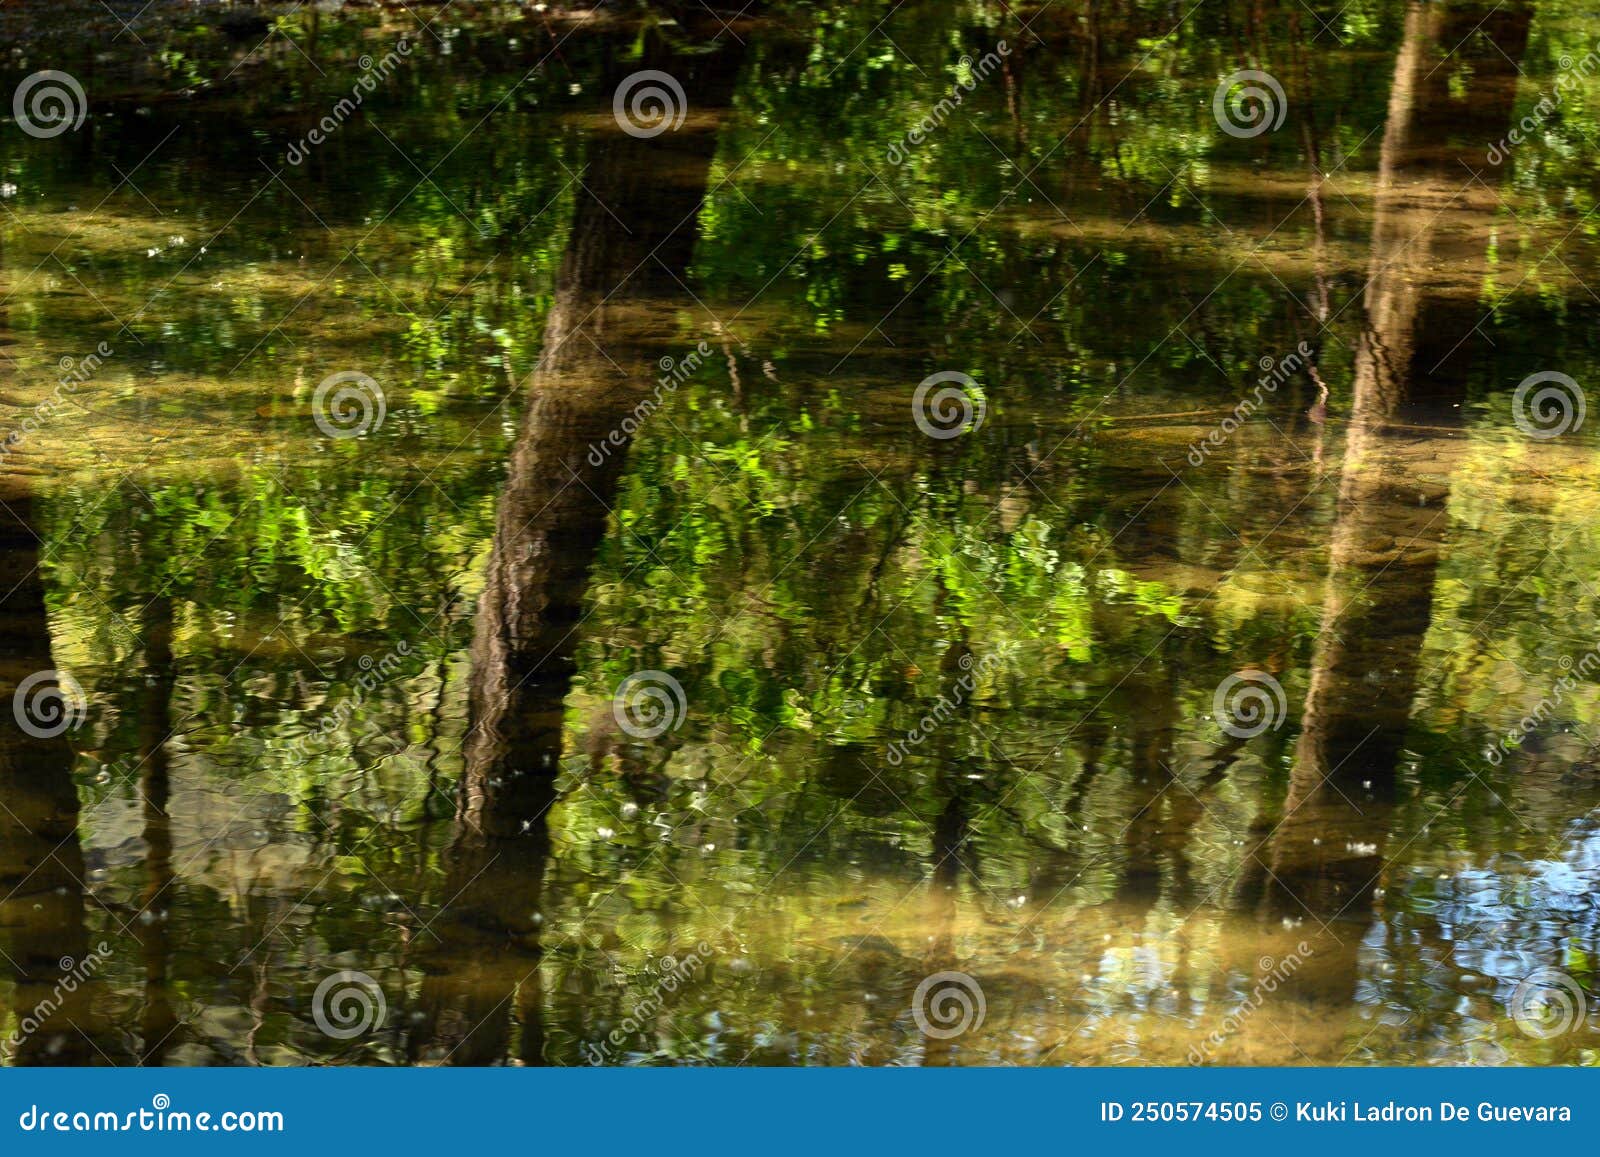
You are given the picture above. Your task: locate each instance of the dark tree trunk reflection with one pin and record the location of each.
(158, 1021)
(620, 293)
(1322, 861)
(42, 918)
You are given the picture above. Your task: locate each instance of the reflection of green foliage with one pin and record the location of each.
(786, 544)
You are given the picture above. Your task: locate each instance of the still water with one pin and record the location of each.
(643, 662)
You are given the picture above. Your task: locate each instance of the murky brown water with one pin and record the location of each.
(599, 708)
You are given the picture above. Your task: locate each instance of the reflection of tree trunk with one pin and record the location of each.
(1163, 812)
(1323, 860)
(155, 722)
(41, 861)
(952, 851)
(614, 315)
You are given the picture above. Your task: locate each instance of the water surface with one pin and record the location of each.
(927, 705)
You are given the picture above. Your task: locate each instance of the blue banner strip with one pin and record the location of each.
(795, 1111)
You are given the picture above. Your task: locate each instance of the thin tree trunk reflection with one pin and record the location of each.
(158, 1020)
(1322, 862)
